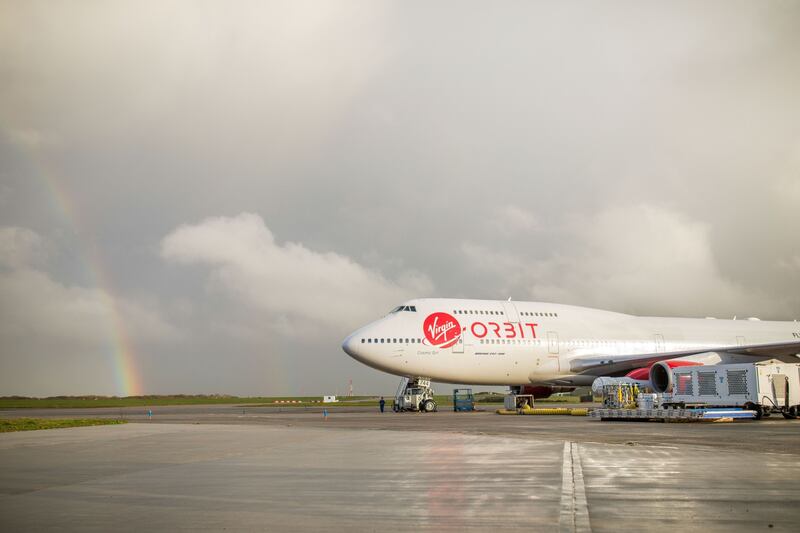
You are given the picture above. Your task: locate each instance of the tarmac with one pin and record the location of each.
(244, 468)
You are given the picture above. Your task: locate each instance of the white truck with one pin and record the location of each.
(764, 387)
(414, 395)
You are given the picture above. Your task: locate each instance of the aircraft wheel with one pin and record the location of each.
(791, 413)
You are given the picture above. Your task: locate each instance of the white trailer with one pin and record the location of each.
(764, 387)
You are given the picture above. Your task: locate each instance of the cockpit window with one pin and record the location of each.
(411, 308)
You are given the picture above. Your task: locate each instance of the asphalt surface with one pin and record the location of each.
(291, 469)
(774, 435)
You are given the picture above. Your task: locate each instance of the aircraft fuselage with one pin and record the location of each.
(493, 342)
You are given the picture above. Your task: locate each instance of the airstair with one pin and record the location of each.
(401, 389)
(414, 394)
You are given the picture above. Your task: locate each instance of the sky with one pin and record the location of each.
(207, 197)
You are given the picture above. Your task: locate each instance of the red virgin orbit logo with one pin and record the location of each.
(441, 330)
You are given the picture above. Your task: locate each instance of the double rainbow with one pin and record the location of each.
(128, 381)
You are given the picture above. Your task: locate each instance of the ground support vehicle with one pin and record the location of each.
(764, 387)
(414, 394)
(463, 400)
(514, 401)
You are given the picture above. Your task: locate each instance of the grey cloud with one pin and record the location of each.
(640, 259)
(59, 337)
(447, 149)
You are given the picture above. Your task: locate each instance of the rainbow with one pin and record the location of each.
(127, 379)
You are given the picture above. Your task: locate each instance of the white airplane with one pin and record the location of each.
(541, 348)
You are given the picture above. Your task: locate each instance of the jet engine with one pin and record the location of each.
(644, 374)
(661, 372)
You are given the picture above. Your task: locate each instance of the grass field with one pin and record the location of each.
(29, 424)
(145, 401)
(17, 402)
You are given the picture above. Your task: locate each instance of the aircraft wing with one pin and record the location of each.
(610, 365)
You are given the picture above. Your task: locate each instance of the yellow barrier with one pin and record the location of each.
(547, 411)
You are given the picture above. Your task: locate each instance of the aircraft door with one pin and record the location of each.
(659, 338)
(552, 342)
(459, 346)
(553, 349)
(511, 312)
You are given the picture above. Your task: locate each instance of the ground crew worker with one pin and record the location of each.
(382, 403)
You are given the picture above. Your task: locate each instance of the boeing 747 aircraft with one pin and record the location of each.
(543, 347)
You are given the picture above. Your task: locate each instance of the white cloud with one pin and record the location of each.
(29, 138)
(20, 247)
(791, 263)
(514, 219)
(288, 282)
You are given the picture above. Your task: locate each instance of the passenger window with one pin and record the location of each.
(362, 341)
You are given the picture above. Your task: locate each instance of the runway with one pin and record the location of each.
(240, 468)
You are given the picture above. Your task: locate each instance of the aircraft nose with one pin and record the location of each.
(349, 346)
(352, 346)
(355, 346)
